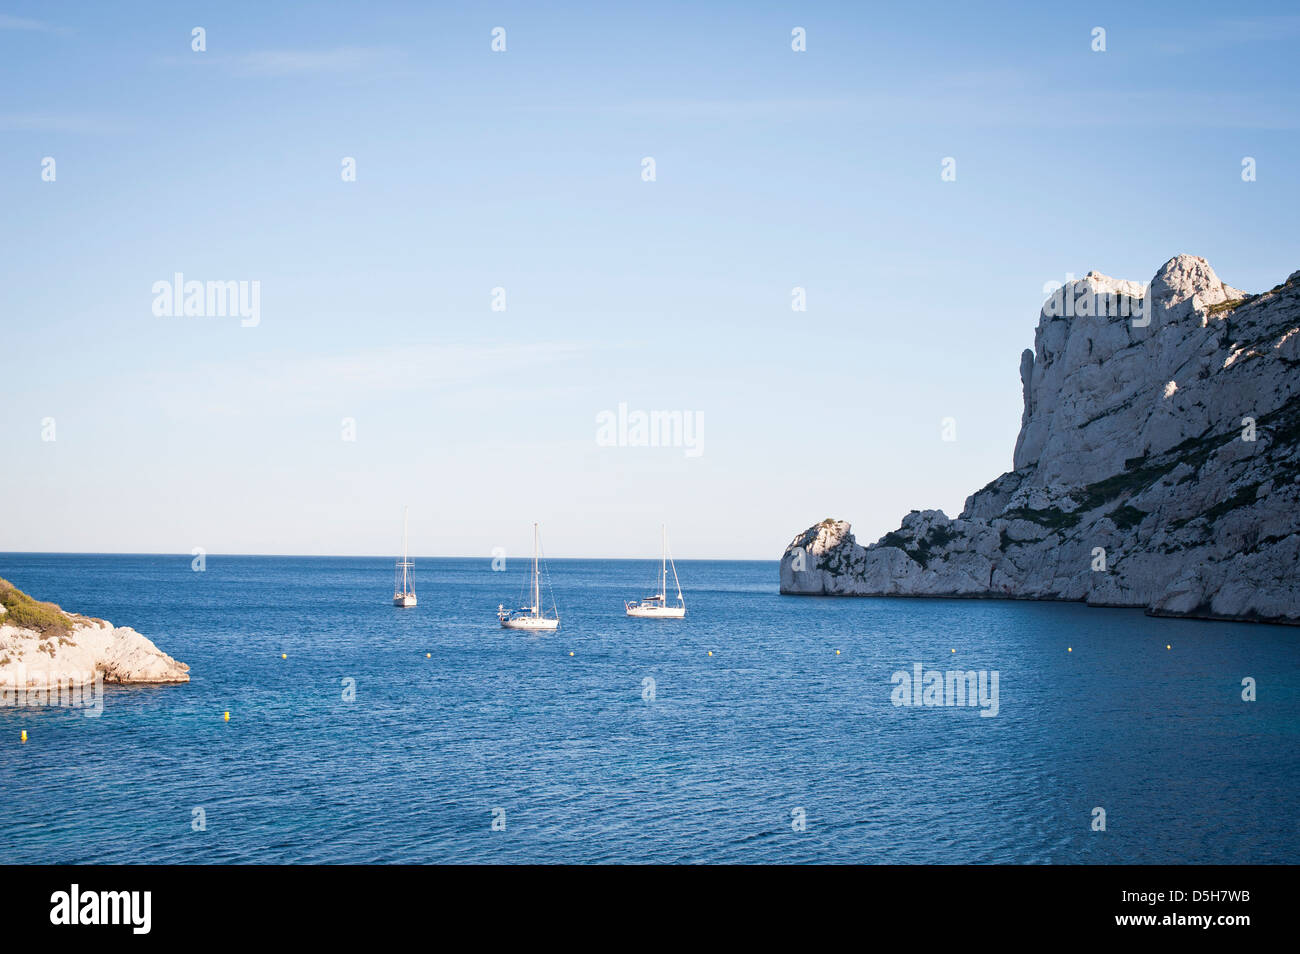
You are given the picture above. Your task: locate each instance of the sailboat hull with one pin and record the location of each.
(531, 616)
(656, 607)
(536, 623)
(657, 612)
(404, 583)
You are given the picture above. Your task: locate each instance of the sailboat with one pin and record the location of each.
(656, 607)
(532, 615)
(404, 582)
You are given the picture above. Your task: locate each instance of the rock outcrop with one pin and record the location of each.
(41, 645)
(1158, 465)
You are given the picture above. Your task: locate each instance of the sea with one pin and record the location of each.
(760, 729)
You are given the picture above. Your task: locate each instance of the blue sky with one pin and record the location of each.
(523, 170)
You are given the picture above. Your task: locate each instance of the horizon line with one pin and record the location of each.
(362, 556)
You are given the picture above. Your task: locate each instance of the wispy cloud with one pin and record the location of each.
(301, 62)
(716, 109)
(1261, 31)
(996, 98)
(282, 63)
(59, 123)
(21, 23)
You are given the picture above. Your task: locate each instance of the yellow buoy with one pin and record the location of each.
(1167, 646)
(24, 735)
(1069, 649)
(227, 716)
(710, 652)
(954, 650)
(837, 652)
(284, 655)
(570, 652)
(428, 655)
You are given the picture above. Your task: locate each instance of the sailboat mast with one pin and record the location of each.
(406, 588)
(537, 597)
(663, 579)
(676, 581)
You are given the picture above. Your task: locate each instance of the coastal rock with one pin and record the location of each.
(41, 645)
(1157, 465)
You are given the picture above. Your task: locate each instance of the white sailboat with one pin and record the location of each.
(656, 607)
(531, 616)
(404, 582)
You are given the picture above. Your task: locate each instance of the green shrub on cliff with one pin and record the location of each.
(21, 610)
(1229, 305)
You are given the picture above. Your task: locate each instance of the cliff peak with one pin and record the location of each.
(1157, 465)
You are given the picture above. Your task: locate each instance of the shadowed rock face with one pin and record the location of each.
(1133, 455)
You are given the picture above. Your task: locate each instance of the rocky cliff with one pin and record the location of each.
(41, 645)
(1158, 465)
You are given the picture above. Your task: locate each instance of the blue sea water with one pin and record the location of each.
(556, 731)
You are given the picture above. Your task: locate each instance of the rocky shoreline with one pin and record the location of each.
(43, 646)
(1157, 466)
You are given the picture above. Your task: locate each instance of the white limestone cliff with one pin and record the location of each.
(61, 648)
(1134, 450)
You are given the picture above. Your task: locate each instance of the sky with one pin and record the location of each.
(524, 170)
